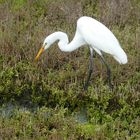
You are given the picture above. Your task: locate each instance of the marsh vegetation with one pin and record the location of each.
(46, 100)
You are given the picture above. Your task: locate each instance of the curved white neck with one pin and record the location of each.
(64, 44)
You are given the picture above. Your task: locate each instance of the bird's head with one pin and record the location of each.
(52, 38)
(46, 44)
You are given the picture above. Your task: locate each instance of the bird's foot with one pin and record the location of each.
(111, 87)
(85, 87)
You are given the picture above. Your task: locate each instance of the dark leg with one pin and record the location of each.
(90, 69)
(108, 72)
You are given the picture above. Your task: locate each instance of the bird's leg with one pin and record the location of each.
(108, 72)
(90, 69)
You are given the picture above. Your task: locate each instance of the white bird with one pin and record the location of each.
(96, 35)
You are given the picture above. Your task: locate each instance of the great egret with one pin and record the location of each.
(96, 35)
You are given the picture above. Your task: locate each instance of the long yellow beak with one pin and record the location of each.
(39, 53)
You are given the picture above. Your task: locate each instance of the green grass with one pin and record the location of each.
(46, 100)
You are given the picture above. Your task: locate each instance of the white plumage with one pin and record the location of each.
(92, 32)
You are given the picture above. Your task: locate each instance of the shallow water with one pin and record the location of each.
(81, 115)
(8, 110)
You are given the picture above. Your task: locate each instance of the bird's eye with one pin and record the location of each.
(45, 43)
